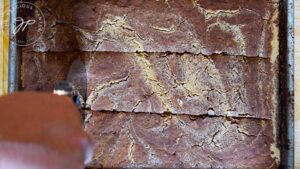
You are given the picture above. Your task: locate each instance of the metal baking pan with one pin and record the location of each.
(286, 91)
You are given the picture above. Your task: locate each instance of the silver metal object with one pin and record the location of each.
(290, 83)
(13, 66)
(63, 88)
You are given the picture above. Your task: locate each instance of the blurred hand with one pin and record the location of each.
(41, 131)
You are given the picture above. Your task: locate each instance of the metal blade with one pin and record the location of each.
(77, 77)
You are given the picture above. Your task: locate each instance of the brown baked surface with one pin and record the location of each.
(150, 140)
(159, 83)
(167, 83)
(233, 27)
(126, 82)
